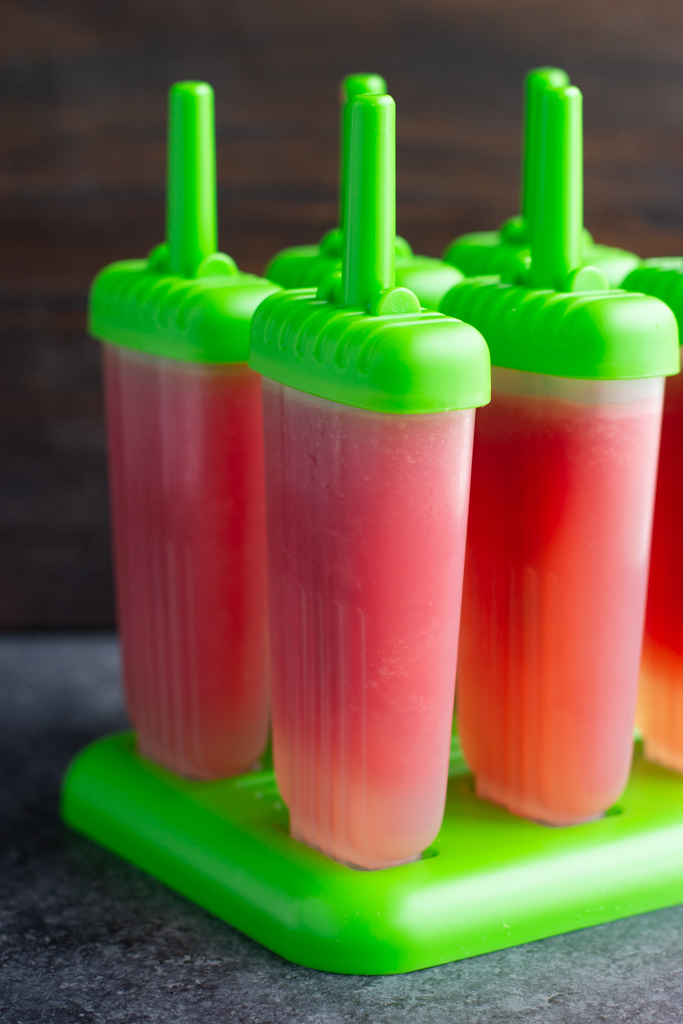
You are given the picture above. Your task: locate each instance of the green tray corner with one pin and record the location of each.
(490, 880)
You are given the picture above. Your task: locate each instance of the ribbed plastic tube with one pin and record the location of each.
(660, 712)
(187, 491)
(563, 483)
(366, 535)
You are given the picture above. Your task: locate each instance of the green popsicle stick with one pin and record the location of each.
(556, 212)
(370, 200)
(352, 86)
(536, 82)
(191, 226)
(186, 300)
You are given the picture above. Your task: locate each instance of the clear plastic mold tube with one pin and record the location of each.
(367, 519)
(562, 494)
(660, 711)
(188, 503)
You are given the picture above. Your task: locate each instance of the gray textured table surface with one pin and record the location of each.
(85, 937)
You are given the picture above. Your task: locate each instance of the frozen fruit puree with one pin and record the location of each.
(366, 542)
(557, 554)
(661, 689)
(186, 451)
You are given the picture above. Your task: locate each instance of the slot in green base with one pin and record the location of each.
(490, 880)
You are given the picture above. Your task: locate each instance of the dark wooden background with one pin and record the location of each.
(82, 136)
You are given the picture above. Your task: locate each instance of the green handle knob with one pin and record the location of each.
(556, 219)
(537, 81)
(360, 85)
(191, 216)
(369, 200)
(351, 87)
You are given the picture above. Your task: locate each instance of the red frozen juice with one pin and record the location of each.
(186, 450)
(367, 519)
(660, 705)
(562, 492)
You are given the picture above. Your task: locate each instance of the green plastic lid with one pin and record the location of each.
(307, 266)
(507, 252)
(186, 300)
(662, 278)
(565, 321)
(359, 339)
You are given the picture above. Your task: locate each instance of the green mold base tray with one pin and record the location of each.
(490, 880)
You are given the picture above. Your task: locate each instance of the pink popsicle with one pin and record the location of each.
(367, 519)
(186, 450)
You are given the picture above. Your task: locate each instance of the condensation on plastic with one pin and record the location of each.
(366, 531)
(660, 703)
(562, 493)
(185, 455)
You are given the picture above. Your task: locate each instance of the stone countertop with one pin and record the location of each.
(85, 937)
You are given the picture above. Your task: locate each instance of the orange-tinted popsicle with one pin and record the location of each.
(557, 556)
(660, 704)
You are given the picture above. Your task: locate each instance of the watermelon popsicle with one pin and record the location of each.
(563, 481)
(368, 412)
(185, 440)
(661, 683)
(555, 589)
(305, 266)
(660, 697)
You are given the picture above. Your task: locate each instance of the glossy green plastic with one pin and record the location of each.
(662, 278)
(490, 880)
(609, 335)
(360, 339)
(508, 251)
(564, 320)
(307, 266)
(185, 301)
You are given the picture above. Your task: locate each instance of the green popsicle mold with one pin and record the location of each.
(508, 251)
(560, 318)
(307, 266)
(489, 881)
(360, 339)
(662, 278)
(185, 301)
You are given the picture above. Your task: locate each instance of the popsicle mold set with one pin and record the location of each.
(293, 461)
